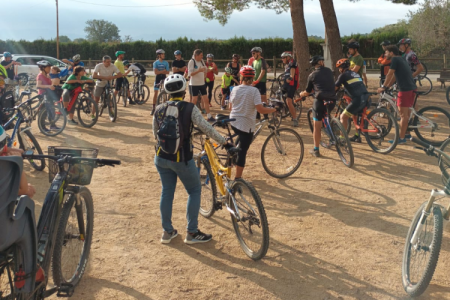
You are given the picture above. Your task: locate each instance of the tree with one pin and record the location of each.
(332, 30)
(127, 39)
(79, 40)
(64, 39)
(301, 45)
(101, 31)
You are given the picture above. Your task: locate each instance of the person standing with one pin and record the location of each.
(260, 66)
(400, 72)
(235, 66)
(383, 61)
(178, 65)
(210, 76)
(161, 69)
(291, 74)
(415, 65)
(356, 60)
(120, 81)
(104, 71)
(74, 62)
(9, 64)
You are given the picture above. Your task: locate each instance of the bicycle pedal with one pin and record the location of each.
(218, 206)
(65, 290)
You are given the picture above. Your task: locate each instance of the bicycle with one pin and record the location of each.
(108, 100)
(423, 83)
(277, 92)
(249, 220)
(140, 92)
(86, 107)
(123, 92)
(64, 230)
(430, 119)
(424, 238)
(163, 96)
(447, 95)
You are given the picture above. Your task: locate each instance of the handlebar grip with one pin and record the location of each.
(419, 142)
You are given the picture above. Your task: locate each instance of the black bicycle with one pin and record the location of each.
(140, 92)
(108, 101)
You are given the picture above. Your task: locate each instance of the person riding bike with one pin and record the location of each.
(9, 64)
(321, 80)
(74, 62)
(161, 69)
(227, 81)
(181, 165)
(210, 75)
(356, 60)
(178, 65)
(104, 71)
(416, 66)
(356, 89)
(291, 74)
(383, 61)
(235, 68)
(119, 81)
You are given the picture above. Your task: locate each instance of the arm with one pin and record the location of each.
(216, 70)
(291, 74)
(356, 68)
(67, 61)
(264, 110)
(419, 70)
(204, 126)
(118, 75)
(390, 79)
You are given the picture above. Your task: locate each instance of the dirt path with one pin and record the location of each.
(335, 233)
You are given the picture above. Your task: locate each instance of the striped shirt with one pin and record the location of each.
(244, 99)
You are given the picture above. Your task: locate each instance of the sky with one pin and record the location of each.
(183, 19)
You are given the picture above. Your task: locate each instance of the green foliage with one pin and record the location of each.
(101, 31)
(64, 39)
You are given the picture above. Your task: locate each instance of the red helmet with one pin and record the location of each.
(247, 71)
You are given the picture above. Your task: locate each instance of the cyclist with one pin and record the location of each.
(416, 66)
(104, 72)
(137, 68)
(260, 66)
(356, 60)
(74, 62)
(383, 61)
(227, 80)
(210, 75)
(290, 82)
(161, 69)
(321, 80)
(9, 64)
(353, 84)
(178, 65)
(120, 81)
(235, 67)
(181, 165)
(245, 101)
(400, 72)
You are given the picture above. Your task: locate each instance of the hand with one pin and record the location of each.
(31, 191)
(380, 90)
(303, 94)
(255, 82)
(203, 69)
(14, 152)
(52, 88)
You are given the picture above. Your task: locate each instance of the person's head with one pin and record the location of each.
(317, 61)
(286, 57)
(44, 66)
(106, 60)
(343, 64)
(55, 70)
(177, 54)
(160, 54)
(209, 57)
(235, 58)
(353, 48)
(79, 71)
(3, 140)
(391, 51)
(198, 55)
(175, 85)
(256, 52)
(76, 58)
(228, 71)
(7, 56)
(384, 44)
(404, 44)
(126, 63)
(120, 55)
(247, 74)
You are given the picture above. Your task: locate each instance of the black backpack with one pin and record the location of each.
(171, 134)
(141, 67)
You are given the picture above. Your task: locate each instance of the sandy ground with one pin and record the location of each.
(335, 233)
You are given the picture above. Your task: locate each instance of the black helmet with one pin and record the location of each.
(385, 43)
(404, 41)
(353, 45)
(315, 59)
(126, 62)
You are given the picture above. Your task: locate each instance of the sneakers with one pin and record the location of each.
(131, 102)
(355, 139)
(72, 122)
(315, 152)
(400, 141)
(93, 117)
(407, 136)
(223, 108)
(198, 237)
(167, 237)
(294, 122)
(211, 120)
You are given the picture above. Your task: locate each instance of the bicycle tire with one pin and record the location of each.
(385, 131)
(59, 122)
(124, 95)
(218, 95)
(112, 107)
(162, 98)
(445, 125)
(425, 69)
(342, 143)
(141, 98)
(444, 164)
(276, 137)
(208, 200)
(336, 113)
(237, 187)
(424, 84)
(23, 79)
(62, 241)
(416, 289)
(101, 105)
(309, 117)
(87, 108)
(324, 133)
(447, 95)
(32, 145)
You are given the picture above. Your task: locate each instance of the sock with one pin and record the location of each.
(316, 148)
(208, 115)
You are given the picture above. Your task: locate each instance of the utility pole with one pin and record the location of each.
(57, 31)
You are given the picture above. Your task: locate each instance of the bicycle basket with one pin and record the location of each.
(80, 173)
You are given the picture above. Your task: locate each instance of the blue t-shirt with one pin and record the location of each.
(54, 76)
(80, 63)
(160, 66)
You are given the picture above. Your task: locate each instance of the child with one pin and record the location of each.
(55, 75)
(226, 82)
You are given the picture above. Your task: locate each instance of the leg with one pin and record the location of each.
(344, 118)
(245, 140)
(317, 133)
(405, 100)
(210, 90)
(155, 95)
(169, 183)
(291, 107)
(404, 120)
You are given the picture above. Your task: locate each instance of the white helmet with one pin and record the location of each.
(175, 84)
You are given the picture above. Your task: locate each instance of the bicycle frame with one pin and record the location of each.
(18, 117)
(363, 118)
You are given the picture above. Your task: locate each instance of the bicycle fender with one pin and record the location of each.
(25, 129)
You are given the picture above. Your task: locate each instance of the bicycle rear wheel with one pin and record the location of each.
(28, 142)
(87, 112)
(72, 247)
(218, 95)
(420, 259)
(209, 189)
(282, 153)
(424, 84)
(112, 107)
(438, 119)
(342, 143)
(325, 140)
(252, 229)
(385, 139)
(52, 120)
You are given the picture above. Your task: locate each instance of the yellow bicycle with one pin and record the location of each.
(238, 196)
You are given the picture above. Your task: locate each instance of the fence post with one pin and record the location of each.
(445, 62)
(132, 60)
(241, 61)
(89, 66)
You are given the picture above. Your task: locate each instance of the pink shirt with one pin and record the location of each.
(45, 81)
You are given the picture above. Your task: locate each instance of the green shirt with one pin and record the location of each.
(259, 65)
(71, 86)
(357, 61)
(120, 66)
(226, 80)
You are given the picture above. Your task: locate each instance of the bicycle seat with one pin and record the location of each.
(220, 117)
(234, 150)
(420, 93)
(26, 93)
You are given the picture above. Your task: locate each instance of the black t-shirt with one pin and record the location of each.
(322, 82)
(179, 64)
(234, 71)
(403, 74)
(352, 82)
(10, 70)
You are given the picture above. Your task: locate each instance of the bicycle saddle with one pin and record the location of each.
(220, 117)
(419, 93)
(234, 150)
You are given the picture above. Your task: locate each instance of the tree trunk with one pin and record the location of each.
(300, 40)
(332, 29)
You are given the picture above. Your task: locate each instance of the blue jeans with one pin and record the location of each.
(170, 171)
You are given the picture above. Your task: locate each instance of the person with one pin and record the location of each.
(197, 71)
(227, 80)
(353, 84)
(235, 68)
(104, 72)
(260, 66)
(400, 72)
(181, 165)
(45, 87)
(210, 75)
(383, 61)
(55, 74)
(178, 65)
(161, 69)
(290, 85)
(9, 64)
(364, 74)
(74, 62)
(415, 65)
(121, 80)
(77, 79)
(137, 68)
(3, 76)
(321, 80)
(356, 60)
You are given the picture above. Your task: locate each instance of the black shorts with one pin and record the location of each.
(226, 91)
(194, 90)
(357, 105)
(119, 83)
(290, 90)
(261, 86)
(243, 141)
(320, 109)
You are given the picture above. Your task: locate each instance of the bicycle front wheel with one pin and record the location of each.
(282, 153)
(218, 95)
(209, 188)
(74, 238)
(28, 142)
(447, 94)
(249, 220)
(342, 143)
(385, 139)
(112, 107)
(87, 112)
(424, 85)
(52, 120)
(420, 259)
(432, 125)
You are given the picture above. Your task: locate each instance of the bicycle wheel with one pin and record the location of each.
(71, 252)
(122, 95)
(28, 142)
(447, 94)
(101, 105)
(87, 112)
(218, 95)
(342, 143)
(424, 85)
(252, 229)
(112, 107)
(425, 70)
(141, 96)
(385, 139)
(438, 119)
(209, 189)
(23, 79)
(162, 98)
(282, 153)
(325, 139)
(337, 111)
(52, 120)
(420, 259)
(444, 164)
(383, 103)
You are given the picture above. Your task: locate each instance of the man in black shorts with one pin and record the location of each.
(321, 80)
(356, 89)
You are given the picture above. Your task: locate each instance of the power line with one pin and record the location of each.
(129, 5)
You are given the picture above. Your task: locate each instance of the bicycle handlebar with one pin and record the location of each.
(73, 159)
(430, 149)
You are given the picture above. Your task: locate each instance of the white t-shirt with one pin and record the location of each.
(104, 71)
(134, 68)
(244, 99)
(199, 78)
